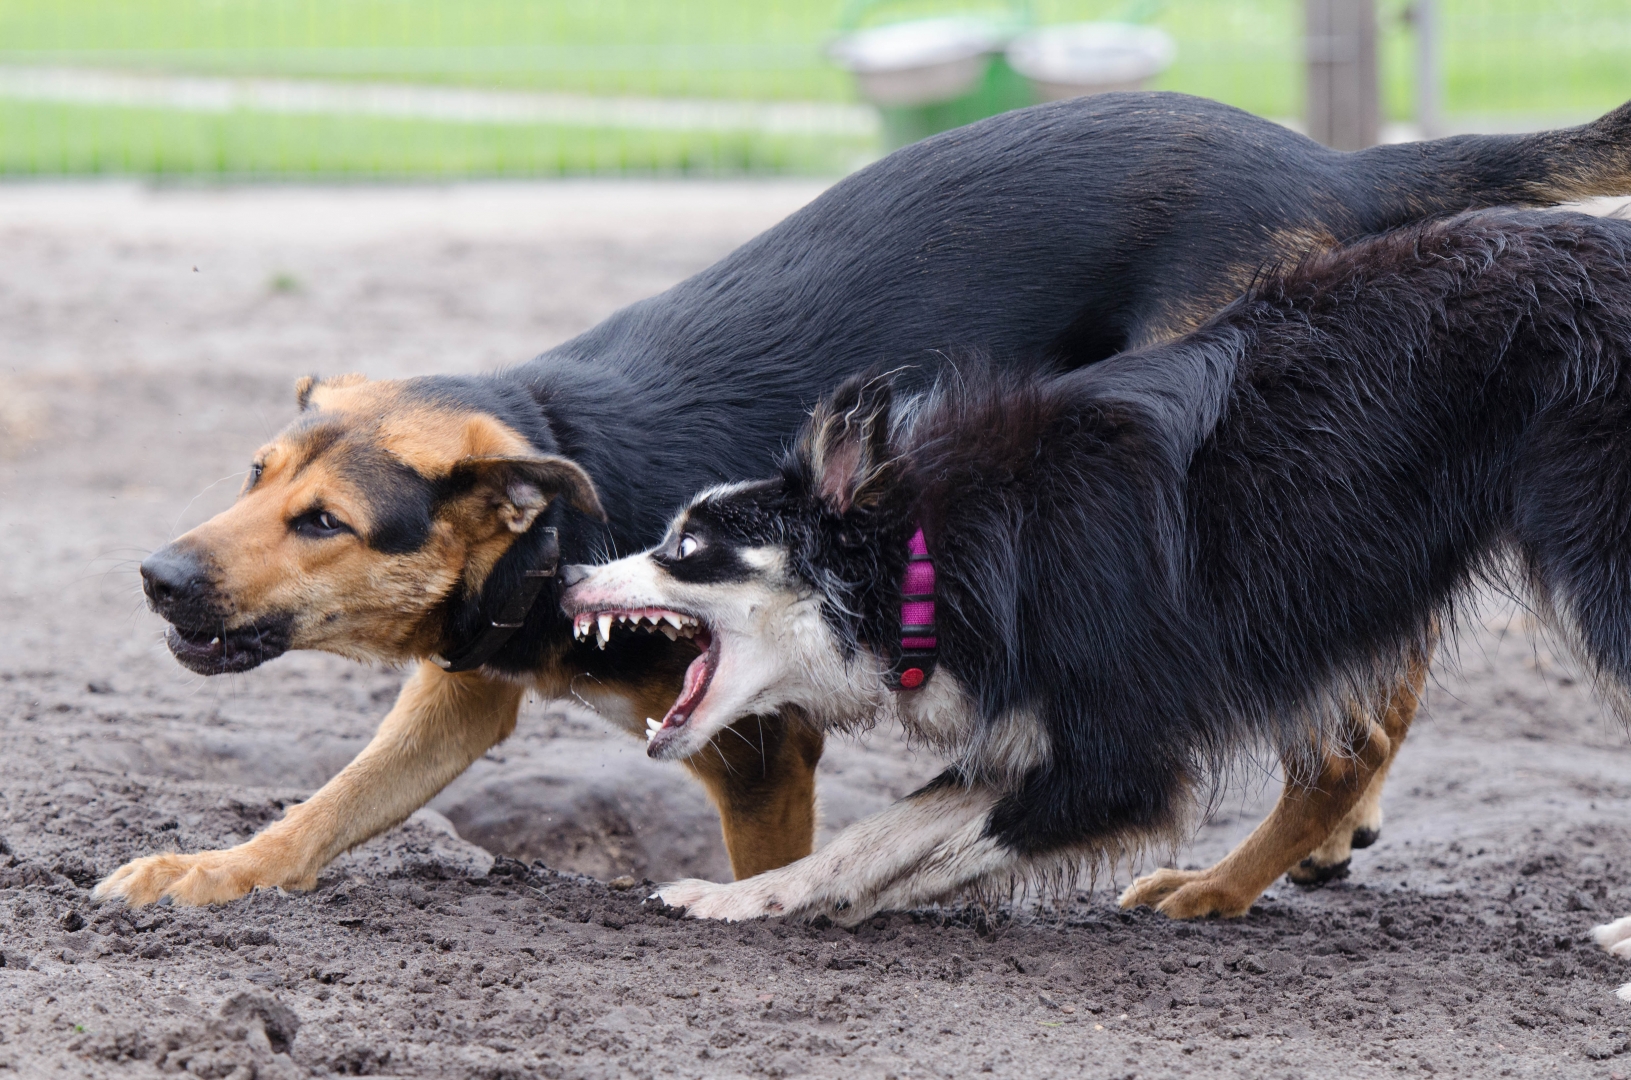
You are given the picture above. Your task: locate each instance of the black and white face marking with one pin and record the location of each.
(720, 578)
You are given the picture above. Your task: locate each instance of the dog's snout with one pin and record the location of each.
(573, 573)
(172, 578)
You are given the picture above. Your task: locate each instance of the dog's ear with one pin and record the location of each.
(845, 445)
(304, 386)
(519, 488)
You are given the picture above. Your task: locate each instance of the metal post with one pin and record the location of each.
(1343, 97)
(1429, 72)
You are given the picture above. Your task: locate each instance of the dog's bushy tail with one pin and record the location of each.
(1468, 172)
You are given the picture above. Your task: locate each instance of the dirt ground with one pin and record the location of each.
(149, 344)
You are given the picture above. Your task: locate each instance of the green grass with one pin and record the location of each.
(45, 140)
(1526, 58)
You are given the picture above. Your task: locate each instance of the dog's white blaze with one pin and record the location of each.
(924, 848)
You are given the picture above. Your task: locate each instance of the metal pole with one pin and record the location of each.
(1344, 105)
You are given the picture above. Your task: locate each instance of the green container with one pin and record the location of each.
(930, 74)
(1001, 89)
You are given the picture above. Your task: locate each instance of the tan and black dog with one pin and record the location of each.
(420, 520)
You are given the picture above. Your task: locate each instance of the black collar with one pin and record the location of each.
(512, 611)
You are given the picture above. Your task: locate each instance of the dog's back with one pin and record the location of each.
(1068, 232)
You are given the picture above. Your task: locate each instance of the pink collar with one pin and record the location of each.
(917, 631)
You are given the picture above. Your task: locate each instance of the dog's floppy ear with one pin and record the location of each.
(520, 487)
(845, 445)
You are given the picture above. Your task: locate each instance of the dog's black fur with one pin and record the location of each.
(1067, 231)
(1217, 540)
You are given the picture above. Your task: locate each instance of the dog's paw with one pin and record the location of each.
(1186, 894)
(207, 877)
(1312, 873)
(1615, 937)
(734, 902)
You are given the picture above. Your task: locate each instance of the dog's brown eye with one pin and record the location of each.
(688, 546)
(319, 524)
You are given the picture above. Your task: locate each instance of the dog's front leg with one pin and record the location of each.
(439, 725)
(760, 774)
(930, 845)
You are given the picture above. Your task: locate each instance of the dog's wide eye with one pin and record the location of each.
(319, 524)
(255, 471)
(688, 546)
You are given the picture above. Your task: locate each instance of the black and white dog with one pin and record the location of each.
(1141, 567)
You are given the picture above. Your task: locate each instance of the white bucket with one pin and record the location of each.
(1090, 58)
(918, 63)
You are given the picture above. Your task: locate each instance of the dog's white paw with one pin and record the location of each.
(1615, 937)
(747, 899)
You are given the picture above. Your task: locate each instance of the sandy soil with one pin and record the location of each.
(136, 387)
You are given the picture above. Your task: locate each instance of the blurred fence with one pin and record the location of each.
(448, 88)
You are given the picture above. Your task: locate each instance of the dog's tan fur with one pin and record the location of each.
(353, 601)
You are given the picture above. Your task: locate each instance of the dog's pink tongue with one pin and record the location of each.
(696, 684)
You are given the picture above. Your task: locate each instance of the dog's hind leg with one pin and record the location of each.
(760, 774)
(1305, 818)
(439, 725)
(1360, 829)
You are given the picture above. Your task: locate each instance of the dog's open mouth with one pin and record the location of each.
(220, 651)
(674, 625)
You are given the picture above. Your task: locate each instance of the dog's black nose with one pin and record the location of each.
(572, 573)
(173, 578)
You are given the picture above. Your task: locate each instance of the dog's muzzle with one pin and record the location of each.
(180, 588)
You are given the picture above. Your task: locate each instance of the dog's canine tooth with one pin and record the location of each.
(603, 626)
(652, 727)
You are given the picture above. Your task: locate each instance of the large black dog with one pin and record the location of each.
(402, 520)
(1141, 567)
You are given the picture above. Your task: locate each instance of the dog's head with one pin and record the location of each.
(780, 584)
(355, 527)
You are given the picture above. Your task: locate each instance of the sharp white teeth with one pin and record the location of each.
(673, 620)
(580, 626)
(652, 727)
(604, 627)
(669, 632)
